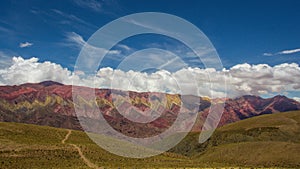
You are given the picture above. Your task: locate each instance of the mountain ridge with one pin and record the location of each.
(51, 103)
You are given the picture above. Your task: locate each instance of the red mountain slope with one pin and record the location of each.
(51, 103)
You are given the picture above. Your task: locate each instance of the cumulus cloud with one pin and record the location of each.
(30, 70)
(297, 99)
(242, 79)
(25, 44)
(263, 79)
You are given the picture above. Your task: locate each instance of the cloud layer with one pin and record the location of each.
(241, 79)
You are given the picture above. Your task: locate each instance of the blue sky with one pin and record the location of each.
(240, 31)
(252, 32)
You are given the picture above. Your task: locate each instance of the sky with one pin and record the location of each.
(258, 37)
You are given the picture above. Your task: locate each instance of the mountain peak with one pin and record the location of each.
(50, 83)
(280, 96)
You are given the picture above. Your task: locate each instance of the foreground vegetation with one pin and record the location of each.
(265, 141)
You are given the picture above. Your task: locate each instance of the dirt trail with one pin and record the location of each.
(66, 137)
(85, 160)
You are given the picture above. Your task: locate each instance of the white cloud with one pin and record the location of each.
(244, 78)
(30, 70)
(25, 44)
(297, 99)
(267, 54)
(262, 78)
(75, 39)
(5, 30)
(284, 52)
(143, 60)
(90, 4)
(124, 47)
(89, 51)
(5, 60)
(80, 42)
(289, 51)
(73, 19)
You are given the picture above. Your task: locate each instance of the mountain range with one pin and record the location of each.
(51, 103)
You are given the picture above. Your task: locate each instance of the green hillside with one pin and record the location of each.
(264, 141)
(31, 146)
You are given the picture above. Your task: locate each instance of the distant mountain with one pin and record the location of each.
(51, 103)
(248, 106)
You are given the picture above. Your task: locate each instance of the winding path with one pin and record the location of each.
(85, 160)
(66, 137)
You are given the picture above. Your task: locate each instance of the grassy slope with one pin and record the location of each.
(268, 140)
(31, 146)
(263, 141)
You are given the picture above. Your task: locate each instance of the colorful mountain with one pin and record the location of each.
(51, 103)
